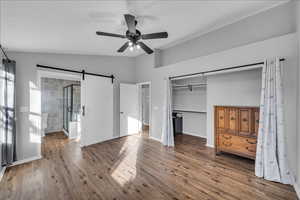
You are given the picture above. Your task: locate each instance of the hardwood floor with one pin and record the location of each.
(136, 167)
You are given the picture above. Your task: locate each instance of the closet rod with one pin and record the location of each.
(4, 53)
(75, 71)
(223, 69)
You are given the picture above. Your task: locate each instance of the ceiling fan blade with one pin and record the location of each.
(110, 34)
(130, 21)
(122, 49)
(155, 35)
(145, 47)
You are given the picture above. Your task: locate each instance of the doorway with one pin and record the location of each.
(54, 99)
(145, 108)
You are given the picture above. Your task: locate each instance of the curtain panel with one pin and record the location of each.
(167, 129)
(7, 103)
(271, 156)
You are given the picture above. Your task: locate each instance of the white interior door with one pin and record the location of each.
(129, 113)
(97, 110)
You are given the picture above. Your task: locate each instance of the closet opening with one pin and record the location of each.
(189, 109)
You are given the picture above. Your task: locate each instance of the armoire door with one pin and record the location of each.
(220, 118)
(233, 125)
(245, 127)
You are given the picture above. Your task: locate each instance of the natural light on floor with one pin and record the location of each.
(123, 170)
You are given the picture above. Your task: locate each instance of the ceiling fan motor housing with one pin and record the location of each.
(133, 37)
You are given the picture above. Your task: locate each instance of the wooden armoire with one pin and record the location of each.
(236, 130)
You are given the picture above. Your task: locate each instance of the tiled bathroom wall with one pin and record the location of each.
(52, 102)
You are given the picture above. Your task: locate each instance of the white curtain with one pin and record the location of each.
(167, 129)
(271, 156)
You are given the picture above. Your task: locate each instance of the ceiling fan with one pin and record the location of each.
(134, 36)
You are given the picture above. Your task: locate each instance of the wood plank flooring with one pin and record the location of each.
(136, 167)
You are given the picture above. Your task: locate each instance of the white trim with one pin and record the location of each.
(210, 145)
(26, 160)
(194, 134)
(297, 189)
(154, 138)
(2, 172)
(113, 137)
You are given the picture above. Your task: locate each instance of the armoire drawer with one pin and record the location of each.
(237, 145)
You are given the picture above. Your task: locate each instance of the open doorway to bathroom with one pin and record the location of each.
(60, 108)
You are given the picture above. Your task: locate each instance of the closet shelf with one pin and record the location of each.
(189, 111)
(189, 86)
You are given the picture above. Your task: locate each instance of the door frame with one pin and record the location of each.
(150, 104)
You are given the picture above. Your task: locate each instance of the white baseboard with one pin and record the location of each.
(111, 138)
(19, 162)
(193, 134)
(210, 145)
(153, 138)
(2, 173)
(297, 189)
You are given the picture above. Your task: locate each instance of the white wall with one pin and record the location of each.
(297, 185)
(231, 89)
(28, 143)
(271, 23)
(284, 46)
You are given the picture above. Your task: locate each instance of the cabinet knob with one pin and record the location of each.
(227, 144)
(227, 138)
(250, 150)
(250, 142)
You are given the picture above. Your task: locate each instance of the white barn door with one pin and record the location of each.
(129, 109)
(97, 110)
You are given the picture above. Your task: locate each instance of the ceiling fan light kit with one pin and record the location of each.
(134, 36)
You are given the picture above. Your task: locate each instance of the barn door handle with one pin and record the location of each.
(83, 110)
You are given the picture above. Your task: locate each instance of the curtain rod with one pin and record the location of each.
(223, 69)
(4, 53)
(78, 72)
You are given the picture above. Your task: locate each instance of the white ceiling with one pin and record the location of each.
(70, 26)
